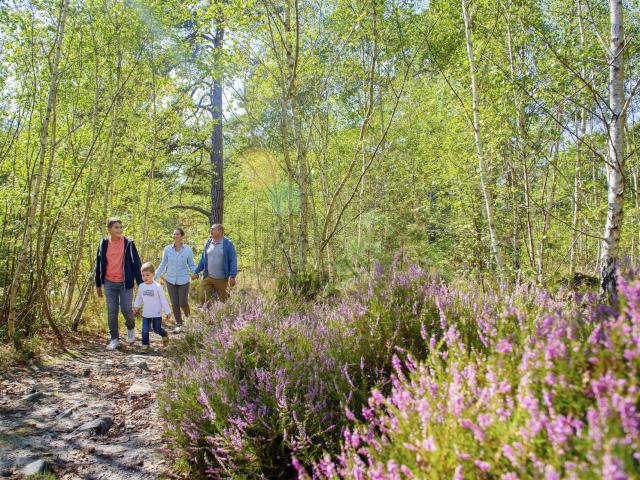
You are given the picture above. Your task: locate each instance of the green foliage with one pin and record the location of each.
(305, 285)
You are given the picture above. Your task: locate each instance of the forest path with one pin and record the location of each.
(92, 414)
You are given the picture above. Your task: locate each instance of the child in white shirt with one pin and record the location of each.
(151, 296)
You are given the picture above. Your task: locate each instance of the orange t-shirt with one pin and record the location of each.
(115, 261)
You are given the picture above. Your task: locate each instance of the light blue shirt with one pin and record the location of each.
(215, 260)
(178, 265)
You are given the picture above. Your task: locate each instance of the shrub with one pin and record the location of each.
(555, 395)
(305, 285)
(262, 382)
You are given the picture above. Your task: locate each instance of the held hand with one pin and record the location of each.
(194, 276)
(232, 282)
(99, 291)
(135, 311)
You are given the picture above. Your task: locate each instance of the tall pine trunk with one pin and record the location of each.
(217, 146)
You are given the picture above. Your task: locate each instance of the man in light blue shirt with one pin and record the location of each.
(219, 262)
(215, 260)
(177, 263)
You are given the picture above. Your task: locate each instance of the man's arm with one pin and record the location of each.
(233, 261)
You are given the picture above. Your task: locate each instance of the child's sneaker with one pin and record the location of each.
(113, 344)
(178, 329)
(145, 349)
(131, 335)
(165, 340)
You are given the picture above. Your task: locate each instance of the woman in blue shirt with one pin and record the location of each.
(177, 265)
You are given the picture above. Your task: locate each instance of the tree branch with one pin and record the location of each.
(203, 211)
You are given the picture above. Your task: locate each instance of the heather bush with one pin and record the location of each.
(552, 394)
(262, 381)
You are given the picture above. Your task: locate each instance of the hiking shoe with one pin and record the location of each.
(113, 344)
(178, 329)
(145, 349)
(165, 340)
(131, 335)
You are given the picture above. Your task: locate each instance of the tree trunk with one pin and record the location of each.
(576, 195)
(111, 143)
(486, 192)
(154, 154)
(292, 49)
(521, 145)
(217, 148)
(367, 113)
(615, 160)
(576, 178)
(35, 194)
(548, 205)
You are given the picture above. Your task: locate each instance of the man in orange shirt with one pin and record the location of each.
(117, 266)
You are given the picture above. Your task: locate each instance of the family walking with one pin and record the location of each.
(118, 267)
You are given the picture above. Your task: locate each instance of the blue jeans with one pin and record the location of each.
(118, 297)
(157, 328)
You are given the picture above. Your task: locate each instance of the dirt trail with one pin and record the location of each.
(90, 415)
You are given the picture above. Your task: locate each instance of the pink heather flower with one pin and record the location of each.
(504, 346)
(477, 432)
(349, 414)
(397, 364)
(509, 476)
(295, 463)
(612, 468)
(485, 420)
(509, 452)
(406, 471)
(429, 444)
(550, 379)
(457, 475)
(393, 469)
(410, 446)
(550, 473)
(482, 465)
(377, 398)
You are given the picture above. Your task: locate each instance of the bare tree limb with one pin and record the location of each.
(201, 210)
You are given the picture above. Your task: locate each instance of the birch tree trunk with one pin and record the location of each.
(486, 192)
(548, 205)
(521, 146)
(615, 160)
(35, 194)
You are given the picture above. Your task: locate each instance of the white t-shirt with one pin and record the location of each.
(153, 299)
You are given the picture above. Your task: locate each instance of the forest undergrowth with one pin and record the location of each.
(405, 376)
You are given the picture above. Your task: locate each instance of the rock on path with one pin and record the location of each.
(90, 416)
